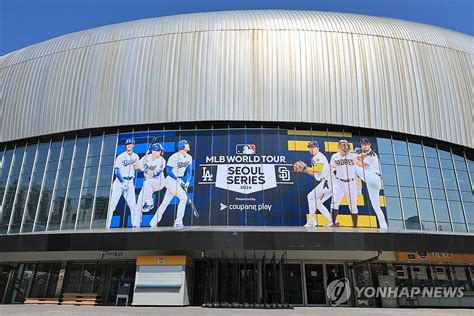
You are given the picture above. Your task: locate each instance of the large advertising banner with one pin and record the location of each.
(246, 177)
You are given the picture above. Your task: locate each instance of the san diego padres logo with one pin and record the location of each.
(338, 292)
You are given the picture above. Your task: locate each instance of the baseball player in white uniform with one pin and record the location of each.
(178, 171)
(153, 166)
(124, 169)
(343, 165)
(368, 169)
(323, 190)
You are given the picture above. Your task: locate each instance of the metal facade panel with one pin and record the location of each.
(292, 66)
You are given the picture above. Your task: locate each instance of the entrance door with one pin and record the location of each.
(294, 287)
(336, 272)
(315, 291)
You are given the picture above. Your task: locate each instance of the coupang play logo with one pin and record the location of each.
(245, 172)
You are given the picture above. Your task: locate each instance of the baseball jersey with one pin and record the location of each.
(124, 162)
(344, 165)
(179, 163)
(372, 161)
(147, 162)
(320, 172)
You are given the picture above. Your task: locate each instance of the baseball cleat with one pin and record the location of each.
(331, 224)
(178, 225)
(309, 224)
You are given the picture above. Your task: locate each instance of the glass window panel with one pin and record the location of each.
(34, 194)
(389, 175)
(438, 194)
(469, 208)
(432, 163)
(57, 209)
(85, 208)
(394, 210)
(421, 179)
(65, 164)
(456, 212)
(391, 190)
(100, 207)
(467, 196)
(453, 195)
(4, 171)
(444, 226)
(387, 159)
(430, 151)
(54, 151)
(444, 152)
(81, 147)
(70, 210)
(435, 178)
(42, 155)
(384, 145)
(460, 228)
(90, 176)
(441, 210)
(463, 179)
(418, 161)
(407, 192)
(68, 149)
(415, 149)
(30, 154)
(450, 180)
(423, 193)
(404, 176)
(409, 208)
(431, 226)
(76, 178)
(460, 165)
(95, 145)
(110, 142)
(426, 210)
(19, 205)
(11, 190)
(403, 160)
(447, 164)
(395, 224)
(400, 147)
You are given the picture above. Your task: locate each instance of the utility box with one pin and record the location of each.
(162, 281)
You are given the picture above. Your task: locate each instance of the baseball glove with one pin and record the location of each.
(299, 166)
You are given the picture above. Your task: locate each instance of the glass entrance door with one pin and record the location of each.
(335, 272)
(315, 290)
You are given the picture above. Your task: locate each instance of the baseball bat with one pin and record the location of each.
(193, 207)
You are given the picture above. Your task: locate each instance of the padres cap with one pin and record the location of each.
(365, 141)
(313, 144)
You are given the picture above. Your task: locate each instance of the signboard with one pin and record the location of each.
(246, 177)
(423, 256)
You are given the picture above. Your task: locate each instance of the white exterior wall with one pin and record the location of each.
(289, 66)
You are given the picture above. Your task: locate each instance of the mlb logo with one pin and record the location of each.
(245, 149)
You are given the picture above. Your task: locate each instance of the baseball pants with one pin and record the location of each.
(129, 196)
(374, 185)
(316, 198)
(172, 189)
(349, 189)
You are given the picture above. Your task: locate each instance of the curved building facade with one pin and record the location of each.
(217, 137)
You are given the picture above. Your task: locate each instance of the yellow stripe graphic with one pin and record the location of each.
(302, 145)
(346, 220)
(319, 133)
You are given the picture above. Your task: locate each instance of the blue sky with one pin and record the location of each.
(26, 22)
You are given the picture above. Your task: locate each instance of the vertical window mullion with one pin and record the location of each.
(459, 190)
(29, 187)
(66, 195)
(97, 180)
(12, 213)
(429, 185)
(441, 169)
(414, 186)
(82, 181)
(398, 183)
(51, 205)
(42, 185)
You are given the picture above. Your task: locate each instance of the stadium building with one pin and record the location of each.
(247, 159)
